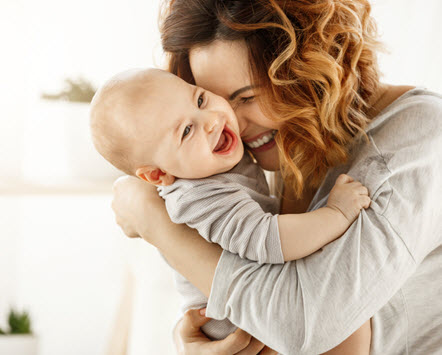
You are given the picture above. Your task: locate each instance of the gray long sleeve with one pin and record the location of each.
(386, 266)
(193, 298)
(233, 209)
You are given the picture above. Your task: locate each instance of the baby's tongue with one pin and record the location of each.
(220, 143)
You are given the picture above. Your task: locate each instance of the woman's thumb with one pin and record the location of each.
(343, 179)
(195, 318)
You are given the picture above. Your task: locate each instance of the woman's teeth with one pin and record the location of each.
(262, 140)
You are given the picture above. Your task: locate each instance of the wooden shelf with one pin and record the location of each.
(65, 187)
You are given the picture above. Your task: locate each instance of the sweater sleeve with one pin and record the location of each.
(224, 213)
(192, 298)
(311, 305)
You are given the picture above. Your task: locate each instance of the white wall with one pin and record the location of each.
(412, 33)
(64, 259)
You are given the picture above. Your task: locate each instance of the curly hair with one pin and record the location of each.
(314, 62)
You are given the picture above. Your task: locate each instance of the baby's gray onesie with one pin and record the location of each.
(232, 209)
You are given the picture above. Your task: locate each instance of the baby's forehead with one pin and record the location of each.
(153, 98)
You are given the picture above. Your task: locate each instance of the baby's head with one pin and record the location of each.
(152, 124)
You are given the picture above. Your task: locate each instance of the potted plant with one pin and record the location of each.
(18, 339)
(71, 105)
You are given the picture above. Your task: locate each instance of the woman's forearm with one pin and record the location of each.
(324, 294)
(189, 254)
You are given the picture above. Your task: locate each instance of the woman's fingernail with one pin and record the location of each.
(203, 312)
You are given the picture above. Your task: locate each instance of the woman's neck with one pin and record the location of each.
(290, 204)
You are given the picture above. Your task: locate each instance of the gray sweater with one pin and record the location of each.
(387, 266)
(232, 209)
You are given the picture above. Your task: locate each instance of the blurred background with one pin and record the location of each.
(88, 288)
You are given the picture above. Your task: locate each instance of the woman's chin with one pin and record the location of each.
(268, 162)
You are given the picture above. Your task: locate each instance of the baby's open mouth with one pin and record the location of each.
(227, 142)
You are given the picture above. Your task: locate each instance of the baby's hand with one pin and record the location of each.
(348, 197)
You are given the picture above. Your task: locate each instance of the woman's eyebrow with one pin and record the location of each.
(240, 91)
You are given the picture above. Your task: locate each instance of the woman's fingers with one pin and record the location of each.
(343, 179)
(195, 342)
(233, 343)
(366, 201)
(268, 351)
(363, 190)
(192, 321)
(254, 348)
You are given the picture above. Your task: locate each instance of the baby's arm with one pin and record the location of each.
(303, 234)
(225, 213)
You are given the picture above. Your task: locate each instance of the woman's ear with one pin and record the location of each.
(155, 176)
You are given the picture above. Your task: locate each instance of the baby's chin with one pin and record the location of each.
(239, 153)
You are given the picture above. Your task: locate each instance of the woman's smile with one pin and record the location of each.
(261, 142)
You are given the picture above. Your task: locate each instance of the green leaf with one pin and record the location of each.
(19, 323)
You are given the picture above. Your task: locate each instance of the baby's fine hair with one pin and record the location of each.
(109, 136)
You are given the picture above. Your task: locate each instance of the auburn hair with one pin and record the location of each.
(314, 62)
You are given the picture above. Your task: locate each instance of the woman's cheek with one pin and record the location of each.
(250, 114)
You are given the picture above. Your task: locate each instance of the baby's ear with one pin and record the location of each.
(155, 175)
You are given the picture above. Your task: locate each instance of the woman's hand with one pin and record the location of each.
(192, 341)
(138, 208)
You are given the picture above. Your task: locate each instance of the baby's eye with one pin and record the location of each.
(186, 131)
(200, 100)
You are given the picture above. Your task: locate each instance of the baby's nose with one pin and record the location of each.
(212, 122)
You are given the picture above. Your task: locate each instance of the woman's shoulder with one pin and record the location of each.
(404, 143)
(417, 96)
(410, 124)
(414, 111)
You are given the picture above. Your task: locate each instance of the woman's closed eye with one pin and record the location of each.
(247, 99)
(243, 100)
(186, 131)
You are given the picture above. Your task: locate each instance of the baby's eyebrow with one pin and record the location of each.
(195, 91)
(176, 133)
(240, 91)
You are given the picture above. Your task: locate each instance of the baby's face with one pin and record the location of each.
(189, 132)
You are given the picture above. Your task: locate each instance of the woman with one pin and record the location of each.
(308, 69)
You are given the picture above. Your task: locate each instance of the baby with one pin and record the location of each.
(186, 140)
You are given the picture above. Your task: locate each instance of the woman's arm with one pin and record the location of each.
(313, 304)
(140, 212)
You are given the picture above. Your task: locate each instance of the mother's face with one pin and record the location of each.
(223, 68)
